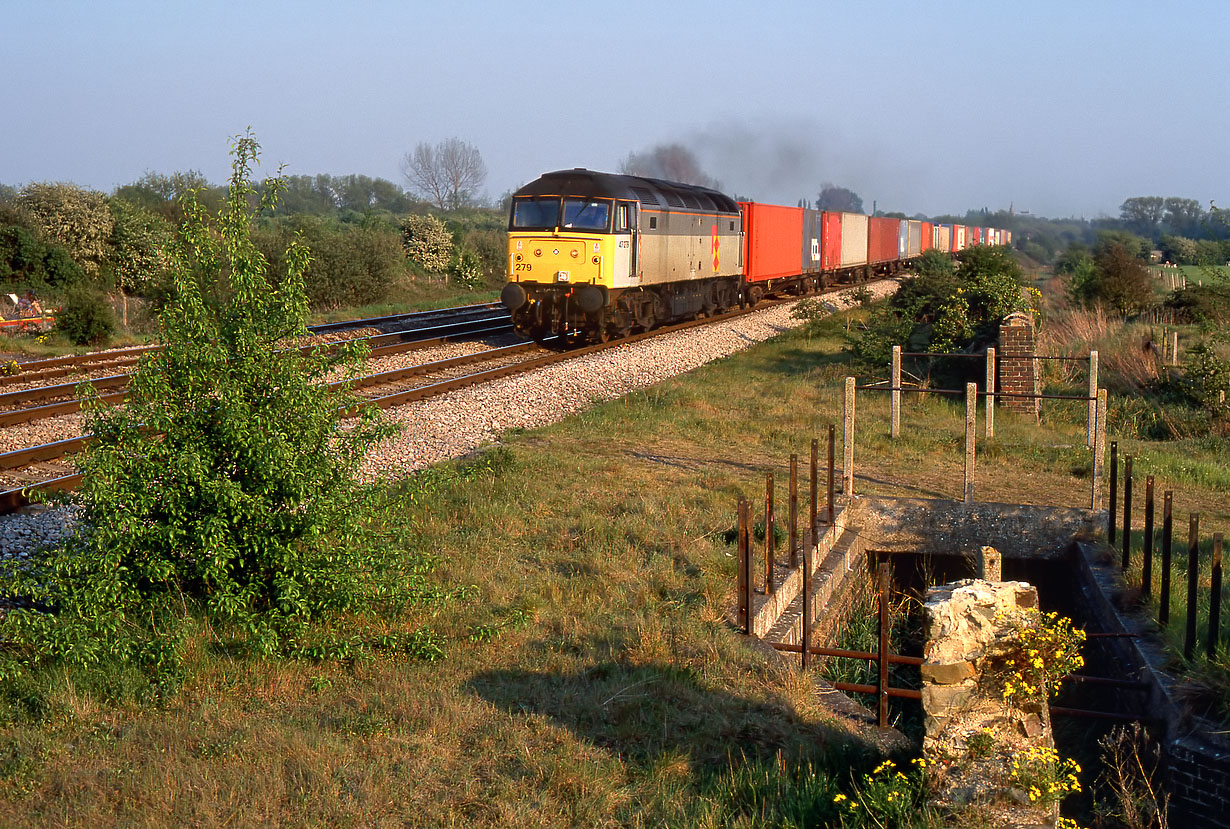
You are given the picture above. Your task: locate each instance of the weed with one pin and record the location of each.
(1042, 774)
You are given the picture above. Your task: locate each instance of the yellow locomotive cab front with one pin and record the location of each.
(556, 259)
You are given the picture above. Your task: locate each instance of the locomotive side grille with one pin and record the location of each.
(645, 195)
(673, 199)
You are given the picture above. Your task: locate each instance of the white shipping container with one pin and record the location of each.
(914, 245)
(941, 237)
(853, 239)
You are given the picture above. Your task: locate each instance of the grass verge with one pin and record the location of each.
(588, 672)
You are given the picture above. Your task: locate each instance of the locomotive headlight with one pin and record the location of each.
(518, 257)
(597, 260)
(538, 251)
(575, 253)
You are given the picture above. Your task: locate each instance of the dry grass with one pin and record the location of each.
(593, 677)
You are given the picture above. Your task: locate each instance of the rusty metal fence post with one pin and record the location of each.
(1146, 573)
(794, 510)
(885, 624)
(832, 468)
(1127, 510)
(744, 617)
(769, 534)
(1114, 492)
(807, 607)
(1215, 599)
(814, 483)
(1193, 583)
(1163, 608)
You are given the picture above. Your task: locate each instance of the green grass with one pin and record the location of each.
(583, 592)
(1203, 273)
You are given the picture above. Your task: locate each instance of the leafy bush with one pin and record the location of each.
(1205, 305)
(945, 308)
(78, 219)
(428, 242)
(1114, 277)
(1206, 377)
(27, 261)
(351, 265)
(138, 248)
(226, 484)
(87, 317)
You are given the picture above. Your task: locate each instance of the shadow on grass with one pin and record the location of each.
(643, 713)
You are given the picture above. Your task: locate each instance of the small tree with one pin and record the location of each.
(226, 483)
(833, 197)
(449, 174)
(1118, 280)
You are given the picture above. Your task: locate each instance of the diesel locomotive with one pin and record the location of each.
(597, 255)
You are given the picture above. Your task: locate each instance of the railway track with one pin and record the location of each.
(45, 467)
(87, 366)
(42, 402)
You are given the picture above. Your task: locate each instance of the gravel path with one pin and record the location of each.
(459, 422)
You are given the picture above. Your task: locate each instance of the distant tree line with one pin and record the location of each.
(366, 235)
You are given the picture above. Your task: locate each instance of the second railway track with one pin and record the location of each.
(21, 469)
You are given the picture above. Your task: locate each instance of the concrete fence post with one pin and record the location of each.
(971, 417)
(1099, 451)
(990, 413)
(894, 429)
(847, 458)
(1093, 398)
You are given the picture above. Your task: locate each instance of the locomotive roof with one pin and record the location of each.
(649, 191)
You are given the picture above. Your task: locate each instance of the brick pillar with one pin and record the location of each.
(1018, 371)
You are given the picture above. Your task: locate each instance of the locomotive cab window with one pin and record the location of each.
(623, 217)
(582, 214)
(535, 213)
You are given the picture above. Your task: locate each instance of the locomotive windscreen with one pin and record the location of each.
(536, 213)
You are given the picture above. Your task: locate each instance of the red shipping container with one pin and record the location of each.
(772, 241)
(830, 244)
(928, 236)
(883, 239)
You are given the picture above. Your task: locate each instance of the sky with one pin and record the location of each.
(1061, 108)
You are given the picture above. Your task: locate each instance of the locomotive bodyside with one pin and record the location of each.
(598, 254)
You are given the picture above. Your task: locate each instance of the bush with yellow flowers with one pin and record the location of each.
(1043, 648)
(887, 796)
(1046, 777)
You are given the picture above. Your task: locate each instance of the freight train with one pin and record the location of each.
(597, 255)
